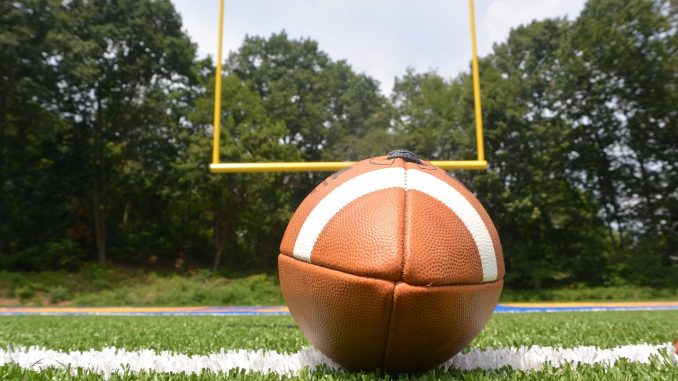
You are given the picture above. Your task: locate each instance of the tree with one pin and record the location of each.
(330, 112)
(242, 214)
(620, 85)
(34, 213)
(121, 60)
(547, 224)
(431, 118)
(552, 216)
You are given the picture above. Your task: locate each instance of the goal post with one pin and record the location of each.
(329, 166)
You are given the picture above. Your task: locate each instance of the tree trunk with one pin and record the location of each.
(99, 225)
(4, 159)
(219, 234)
(648, 214)
(2, 242)
(99, 194)
(125, 216)
(217, 258)
(218, 247)
(609, 196)
(2, 218)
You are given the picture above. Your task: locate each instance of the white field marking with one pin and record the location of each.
(535, 357)
(112, 360)
(387, 178)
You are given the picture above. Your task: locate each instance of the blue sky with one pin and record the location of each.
(378, 37)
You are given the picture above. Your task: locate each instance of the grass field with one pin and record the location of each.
(200, 335)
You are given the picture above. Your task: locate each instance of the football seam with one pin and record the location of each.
(390, 325)
(405, 227)
(395, 282)
(402, 270)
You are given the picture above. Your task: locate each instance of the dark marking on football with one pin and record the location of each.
(334, 176)
(339, 172)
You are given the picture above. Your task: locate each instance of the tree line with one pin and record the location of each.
(106, 123)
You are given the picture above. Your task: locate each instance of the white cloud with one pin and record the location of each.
(379, 37)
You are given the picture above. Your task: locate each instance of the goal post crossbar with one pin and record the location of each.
(218, 167)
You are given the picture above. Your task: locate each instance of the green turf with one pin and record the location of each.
(205, 334)
(183, 334)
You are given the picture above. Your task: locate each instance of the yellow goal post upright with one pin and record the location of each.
(218, 167)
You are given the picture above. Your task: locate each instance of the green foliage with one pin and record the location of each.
(327, 108)
(242, 215)
(197, 290)
(59, 294)
(583, 293)
(431, 118)
(23, 292)
(529, 191)
(622, 96)
(94, 286)
(33, 209)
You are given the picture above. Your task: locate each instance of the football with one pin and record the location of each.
(391, 264)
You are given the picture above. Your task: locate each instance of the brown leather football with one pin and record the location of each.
(391, 264)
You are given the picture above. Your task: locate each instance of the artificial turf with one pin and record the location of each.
(206, 334)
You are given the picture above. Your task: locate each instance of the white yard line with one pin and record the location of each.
(535, 357)
(113, 360)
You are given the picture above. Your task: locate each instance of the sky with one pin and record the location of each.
(380, 38)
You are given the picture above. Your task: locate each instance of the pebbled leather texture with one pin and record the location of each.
(447, 255)
(394, 280)
(431, 324)
(456, 184)
(372, 224)
(344, 316)
(322, 190)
